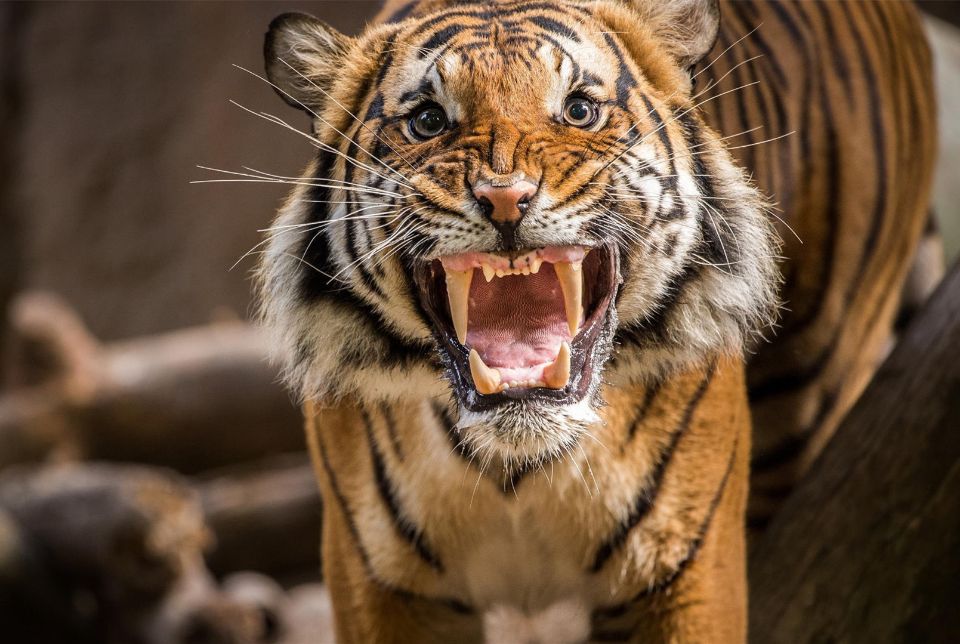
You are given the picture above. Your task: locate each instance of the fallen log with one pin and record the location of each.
(192, 400)
(865, 549)
(265, 517)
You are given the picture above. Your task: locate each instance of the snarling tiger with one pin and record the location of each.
(518, 285)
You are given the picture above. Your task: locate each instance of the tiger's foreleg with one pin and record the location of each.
(705, 602)
(367, 608)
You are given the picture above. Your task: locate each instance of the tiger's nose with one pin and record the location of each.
(505, 206)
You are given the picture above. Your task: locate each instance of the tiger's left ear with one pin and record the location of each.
(302, 56)
(688, 28)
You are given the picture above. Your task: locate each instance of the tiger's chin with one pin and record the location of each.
(524, 337)
(522, 435)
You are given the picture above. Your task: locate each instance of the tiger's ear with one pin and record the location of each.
(302, 55)
(687, 27)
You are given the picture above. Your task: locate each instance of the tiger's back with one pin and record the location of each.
(848, 86)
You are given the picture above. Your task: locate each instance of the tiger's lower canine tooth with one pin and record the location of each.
(557, 375)
(571, 283)
(458, 292)
(485, 380)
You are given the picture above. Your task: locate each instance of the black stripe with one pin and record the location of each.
(555, 27)
(652, 328)
(342, 503)
(648, 397)
(660, 127)
(879, 151)
(722, 249)
(316, 251)
(626, 83)
(405, 528)
(442, 416)
(647, 496)
(740, 8)
(836, 54)
(391, 424)
(368, 280)
(439, 38)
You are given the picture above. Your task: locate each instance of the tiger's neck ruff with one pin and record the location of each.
(514, 288)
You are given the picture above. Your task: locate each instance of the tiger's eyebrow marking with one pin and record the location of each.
(589, 79)
(425, 89)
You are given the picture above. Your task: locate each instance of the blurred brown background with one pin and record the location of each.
(106, 109)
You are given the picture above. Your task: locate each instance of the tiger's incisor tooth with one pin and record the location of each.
(488, 272)
(458, 292)
(557, 374)
(535, 264)
(571, 283)
(485, 380)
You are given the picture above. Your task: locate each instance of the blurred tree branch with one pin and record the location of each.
(192, 400)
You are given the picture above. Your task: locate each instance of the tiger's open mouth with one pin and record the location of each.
(525, 325)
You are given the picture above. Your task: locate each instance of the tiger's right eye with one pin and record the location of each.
(429, 122)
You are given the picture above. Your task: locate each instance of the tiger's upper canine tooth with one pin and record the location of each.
(488, 272)
(458, 292)
(571, 283)
(557, 374)
(485, 380)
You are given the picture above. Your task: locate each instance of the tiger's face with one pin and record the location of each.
(512, 201)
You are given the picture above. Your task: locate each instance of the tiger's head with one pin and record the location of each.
(513, 202)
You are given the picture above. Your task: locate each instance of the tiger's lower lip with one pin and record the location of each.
(510, 338)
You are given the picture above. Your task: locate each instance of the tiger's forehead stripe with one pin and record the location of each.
(517, 35)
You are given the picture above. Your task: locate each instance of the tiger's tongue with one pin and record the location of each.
(518, 323)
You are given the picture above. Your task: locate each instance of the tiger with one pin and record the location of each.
(558, 271)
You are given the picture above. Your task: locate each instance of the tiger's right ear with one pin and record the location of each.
(302, 55)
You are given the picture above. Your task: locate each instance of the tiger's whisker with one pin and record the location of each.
(318, 183)
(352, 115)
(276, 120)
(327, 123)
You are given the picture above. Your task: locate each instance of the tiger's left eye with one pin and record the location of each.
(580, 111)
